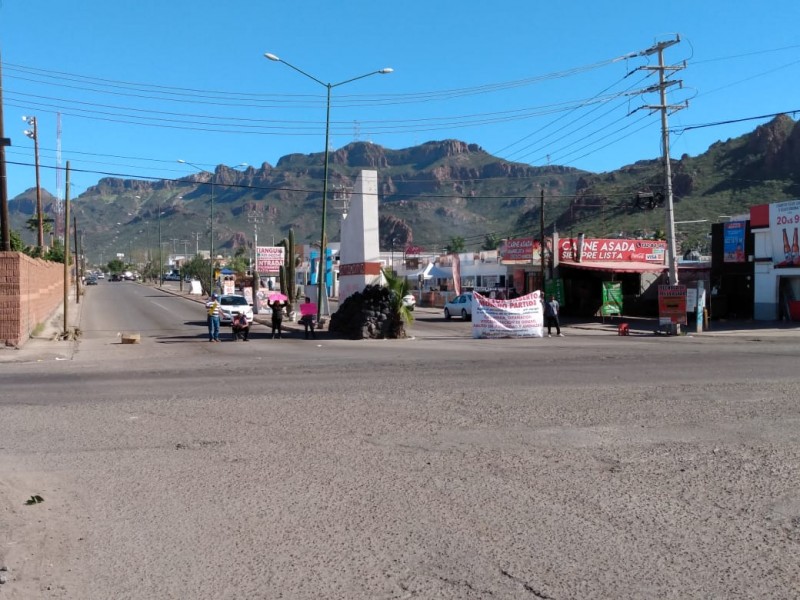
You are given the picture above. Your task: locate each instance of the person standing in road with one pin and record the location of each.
(551, 309)
(307, 310)
(277, 316)
(212, 310)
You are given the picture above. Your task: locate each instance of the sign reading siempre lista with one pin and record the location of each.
(651, 251)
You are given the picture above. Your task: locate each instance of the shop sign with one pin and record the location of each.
(672, 303)
(612, 299)
(555, 287)
(733, 242)
(599, 249)
(784, 221)
(519, 249)
(269, 259)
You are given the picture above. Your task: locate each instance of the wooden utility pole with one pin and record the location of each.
(5, 228)
(541, 237)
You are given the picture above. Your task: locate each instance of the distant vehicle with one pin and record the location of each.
(100, 275)
(116, 277)
(91, 281)
(129, 276)
(409, 301)
(233, 304)
(461, 306)
(172, 277)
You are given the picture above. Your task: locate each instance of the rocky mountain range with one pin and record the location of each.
(429, 194)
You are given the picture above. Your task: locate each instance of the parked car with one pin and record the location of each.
(91, 281)
(101, 275)
(409, 301)
(116, 277)
(233, 304)
(172, 277)
(461, 306)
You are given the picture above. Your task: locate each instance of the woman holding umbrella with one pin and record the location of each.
(277, 302)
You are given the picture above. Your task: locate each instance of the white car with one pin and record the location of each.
(234, 304)
(461, 306)
(409, 301)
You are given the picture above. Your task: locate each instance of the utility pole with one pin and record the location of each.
(541, 236)
(196, 236)
(33, 133)
(665, 109)
(66, 253)
(5, 228)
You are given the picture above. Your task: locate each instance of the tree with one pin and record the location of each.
(400, 314)
(490, 242)
(456, 245)
(200, 268)
(240, 262)
(17, 245)
(115, 266)
(56, 252)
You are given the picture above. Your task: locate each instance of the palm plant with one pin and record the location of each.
(400, 314)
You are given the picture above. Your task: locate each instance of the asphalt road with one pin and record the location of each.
(589, 466)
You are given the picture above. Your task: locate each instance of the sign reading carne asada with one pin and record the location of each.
(651, 251)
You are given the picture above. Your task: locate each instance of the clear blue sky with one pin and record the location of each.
(142, 84)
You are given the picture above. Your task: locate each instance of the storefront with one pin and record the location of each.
(522, 258)
(585, 264)
(732, 273)
(776, 228)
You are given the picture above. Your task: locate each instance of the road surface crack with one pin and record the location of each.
(526, 586)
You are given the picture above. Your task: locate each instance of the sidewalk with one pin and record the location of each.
(723, 327)
(49, 343)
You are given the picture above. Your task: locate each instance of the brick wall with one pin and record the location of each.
(31, 290)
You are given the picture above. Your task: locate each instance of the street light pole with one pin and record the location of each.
(322, 237)
(160, 257)
(33, 133)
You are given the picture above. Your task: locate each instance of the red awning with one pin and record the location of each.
(614, 266)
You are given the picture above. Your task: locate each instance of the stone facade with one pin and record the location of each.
(31, 289)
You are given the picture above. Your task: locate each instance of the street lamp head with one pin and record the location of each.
(386, 71)
(271, 57)
(29, 133)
